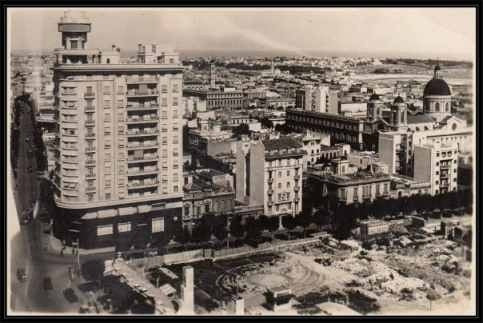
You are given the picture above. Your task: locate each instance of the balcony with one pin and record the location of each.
(141, 80)
(141, 184)
(297, 177)
(90, 161)
(68, 93)
(90, 108)
(296, 188)
(143, 145)
(89, 95)
(270, 180)
(91, 175)
(296, 199)
(144, 107)
(145, 132)
(138, 120)
(142, 94)
(90, 135)
(146, 171)
(90, 149)
(142, 159)
(90, 189)
(270, 191)
(90, 122)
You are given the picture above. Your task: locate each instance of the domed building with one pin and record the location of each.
(437, 97)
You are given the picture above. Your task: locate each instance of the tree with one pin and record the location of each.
(240, 130)
(253, 227)
(266, 123)
(289, 221)
(93, 270)
(283, 128)
(236, 227)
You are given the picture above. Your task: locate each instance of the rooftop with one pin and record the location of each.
(281, 143)
(420, 118)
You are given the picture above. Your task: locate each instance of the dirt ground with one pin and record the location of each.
(398, 280)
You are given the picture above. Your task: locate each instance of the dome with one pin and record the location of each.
(398, 100)
(437, 87)
(374, 97)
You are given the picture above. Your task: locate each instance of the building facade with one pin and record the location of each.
(270, 175)
(346, 189)
(119, 155)
(348, 130)
(218, 99)
(437, 164)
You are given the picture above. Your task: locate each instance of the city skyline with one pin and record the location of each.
(321, 31)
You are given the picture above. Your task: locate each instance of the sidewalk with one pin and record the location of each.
(52, 245)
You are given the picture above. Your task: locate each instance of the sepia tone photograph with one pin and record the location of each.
(315, 161)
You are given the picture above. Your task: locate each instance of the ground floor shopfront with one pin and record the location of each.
(123, 227)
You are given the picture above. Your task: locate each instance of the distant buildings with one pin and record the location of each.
(317, 99)
(348, 130)
(218, 99)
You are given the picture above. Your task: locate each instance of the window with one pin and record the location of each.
(288, 173)
(175, 188)
(342, 194)
(164, 88)
(164, 102)
(120, 88)
(157, 225)
(108, 196)
(104, 230)
(288, 184)
(124, 227)
(175, 101)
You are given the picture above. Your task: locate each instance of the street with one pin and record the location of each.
(26, 246)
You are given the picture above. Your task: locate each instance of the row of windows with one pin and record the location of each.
(157, 225)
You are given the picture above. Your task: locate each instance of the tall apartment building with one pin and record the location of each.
(119, 167)
(437, 164)
(270, 175)
(317, 99)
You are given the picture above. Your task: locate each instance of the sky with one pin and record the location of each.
(440, 33)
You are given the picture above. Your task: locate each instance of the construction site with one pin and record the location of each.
(412, 271)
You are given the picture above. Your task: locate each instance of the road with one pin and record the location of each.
(26, 245)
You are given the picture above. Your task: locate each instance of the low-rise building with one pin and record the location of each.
(357, 187)
(207, 191)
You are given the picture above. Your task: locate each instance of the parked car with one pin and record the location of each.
(70, 295)
(21, 274)
(27, 216)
